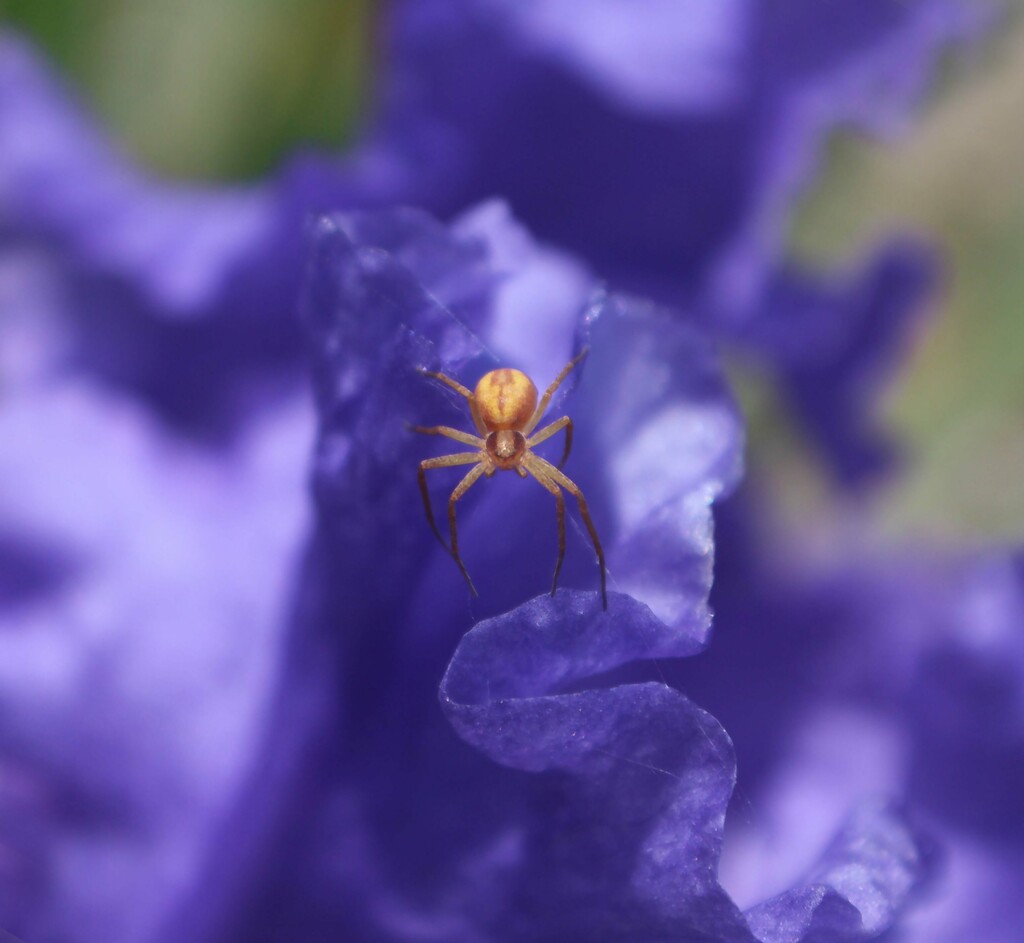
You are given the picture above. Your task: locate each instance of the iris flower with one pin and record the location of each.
(609, 824)
(227, 715)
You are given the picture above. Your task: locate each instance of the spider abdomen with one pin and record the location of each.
(506, 399)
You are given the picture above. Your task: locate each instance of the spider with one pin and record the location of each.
(505, 411)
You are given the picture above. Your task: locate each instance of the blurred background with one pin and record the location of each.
(224, 90)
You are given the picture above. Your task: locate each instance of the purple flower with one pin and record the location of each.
(609, 824)
(195, 746)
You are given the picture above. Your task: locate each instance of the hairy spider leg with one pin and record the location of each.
(560, 514)
(458, 435)
(462, 391)
(444, 461)
(548, 431)
(460, 489)
(533, 464)
(542, 406)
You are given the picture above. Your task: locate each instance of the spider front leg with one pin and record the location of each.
(548, 431)
(535, 464)
(458, 435)
(462, 391)
(538, 413)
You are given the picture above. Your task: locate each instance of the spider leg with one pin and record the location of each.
(560, 513)
(460, 489)
(458, 435)
(548, 431)
(448, 381)
(538, 413)
(444, 461)
(462, 391)
(535, 463)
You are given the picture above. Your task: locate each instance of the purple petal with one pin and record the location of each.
(630, 849)
(632, 55)
(184, 294)
(966, 697)
(671, 437)
(835, 344)
(372, 326)
(979, 897)
(626, 845)
(908, 672)
(657, 432)
(854, 892)
(139, 664)
(666, 149)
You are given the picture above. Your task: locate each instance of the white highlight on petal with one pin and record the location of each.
(654, 55)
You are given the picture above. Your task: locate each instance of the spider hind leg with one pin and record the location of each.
(447, 461)
(535, 464)
(461, 488)
(560, 514)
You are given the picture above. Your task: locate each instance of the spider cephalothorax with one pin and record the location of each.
(505, 412)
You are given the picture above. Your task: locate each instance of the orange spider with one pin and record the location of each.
(505, 411)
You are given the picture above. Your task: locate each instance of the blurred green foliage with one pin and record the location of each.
(211, 89)
(958, 179)
(225, 89)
